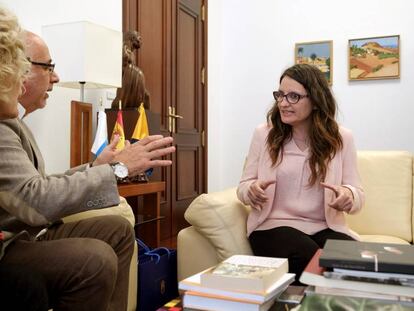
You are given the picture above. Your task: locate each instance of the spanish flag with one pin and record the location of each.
(141, 128)
(119, 129)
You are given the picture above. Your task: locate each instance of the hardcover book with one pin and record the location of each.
(245, 273)
(378, 257)
(202, 301)
(314, 275)
(193, 284)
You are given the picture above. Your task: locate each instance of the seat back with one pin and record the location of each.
(387, 179)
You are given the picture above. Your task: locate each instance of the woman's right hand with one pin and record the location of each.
(256, 193)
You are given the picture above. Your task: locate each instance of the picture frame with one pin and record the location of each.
(318, 54)
(374, 58)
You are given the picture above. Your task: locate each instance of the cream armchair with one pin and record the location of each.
(218, 220)
(124, 210)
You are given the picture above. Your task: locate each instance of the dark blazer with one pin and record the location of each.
(33, 198)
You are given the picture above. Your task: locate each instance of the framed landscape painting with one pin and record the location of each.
(374, 58)
(318, 53)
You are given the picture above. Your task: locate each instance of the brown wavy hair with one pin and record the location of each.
(324, 137)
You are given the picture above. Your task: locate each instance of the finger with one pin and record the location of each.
(330, 187)
(127, 143)
(159, 143)
(158, 163)
(253, 198)
(265, 184)
(114, 141)
(161, 152)
(149, 139)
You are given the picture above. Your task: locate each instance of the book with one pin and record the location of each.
(193, 283)
(328, 303)
(313, 275)
(378, 257)
(369, 276)
(202, 301)
(245, 273)
(292, 295)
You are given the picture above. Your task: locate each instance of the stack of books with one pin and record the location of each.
(362, 269)
(241, 282)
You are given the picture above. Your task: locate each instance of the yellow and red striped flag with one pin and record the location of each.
(119, 130)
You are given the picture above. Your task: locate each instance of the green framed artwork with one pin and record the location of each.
(374, 58)
(318, 54)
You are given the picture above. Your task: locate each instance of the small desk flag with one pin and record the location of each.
(101, 137)
(119, 129)
(141, 128)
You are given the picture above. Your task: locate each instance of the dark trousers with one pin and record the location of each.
(85, 263)
(293, 244)
(22, 289)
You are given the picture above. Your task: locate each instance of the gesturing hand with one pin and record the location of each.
(256, 193)
(142, 155)
(344, 198)
(108, 154)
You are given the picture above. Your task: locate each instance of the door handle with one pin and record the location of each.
(175, 116)
(171, 119)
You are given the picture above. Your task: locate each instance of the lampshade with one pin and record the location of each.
(86, 54)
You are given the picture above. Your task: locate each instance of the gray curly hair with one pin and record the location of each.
(13, 63)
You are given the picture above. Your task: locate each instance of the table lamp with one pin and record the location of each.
(87, 55)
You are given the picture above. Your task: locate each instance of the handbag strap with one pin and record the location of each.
(155, 251)
(143, 245)
(157, 256)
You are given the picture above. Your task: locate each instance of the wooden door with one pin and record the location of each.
(187, 102)
(173, 59)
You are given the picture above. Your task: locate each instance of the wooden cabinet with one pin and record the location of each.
(173, 57)
(148, 217)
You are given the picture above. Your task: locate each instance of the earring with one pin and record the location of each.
(23, 90)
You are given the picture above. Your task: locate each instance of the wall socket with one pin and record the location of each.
(110, 95)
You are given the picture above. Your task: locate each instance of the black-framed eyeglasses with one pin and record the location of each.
(49, 66)
(291, 97)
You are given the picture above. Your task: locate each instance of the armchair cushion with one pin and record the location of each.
(221, 218)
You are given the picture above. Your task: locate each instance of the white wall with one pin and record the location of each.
(252, 42)
(51, 126)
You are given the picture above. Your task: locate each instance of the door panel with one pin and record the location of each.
(188, 104)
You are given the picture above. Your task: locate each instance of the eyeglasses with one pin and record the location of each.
(291, 97)
(50, 67)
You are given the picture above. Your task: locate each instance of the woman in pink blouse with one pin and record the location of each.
(301, 173)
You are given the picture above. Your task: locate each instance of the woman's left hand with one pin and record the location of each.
(344, 198)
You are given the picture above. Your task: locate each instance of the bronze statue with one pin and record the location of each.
(133, 91)
(132, 41)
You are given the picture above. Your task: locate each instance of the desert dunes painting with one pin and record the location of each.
(374, 58)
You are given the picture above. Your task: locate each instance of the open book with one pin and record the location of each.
(245, 273)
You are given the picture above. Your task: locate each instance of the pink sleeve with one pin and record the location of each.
(250, 170)
(350, 175)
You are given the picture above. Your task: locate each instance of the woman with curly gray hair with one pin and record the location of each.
(13, 64)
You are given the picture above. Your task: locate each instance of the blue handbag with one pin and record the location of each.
(157, 276)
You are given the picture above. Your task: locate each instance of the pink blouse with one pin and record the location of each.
(341, 170)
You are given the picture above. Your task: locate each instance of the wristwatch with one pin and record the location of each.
(120, 171)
